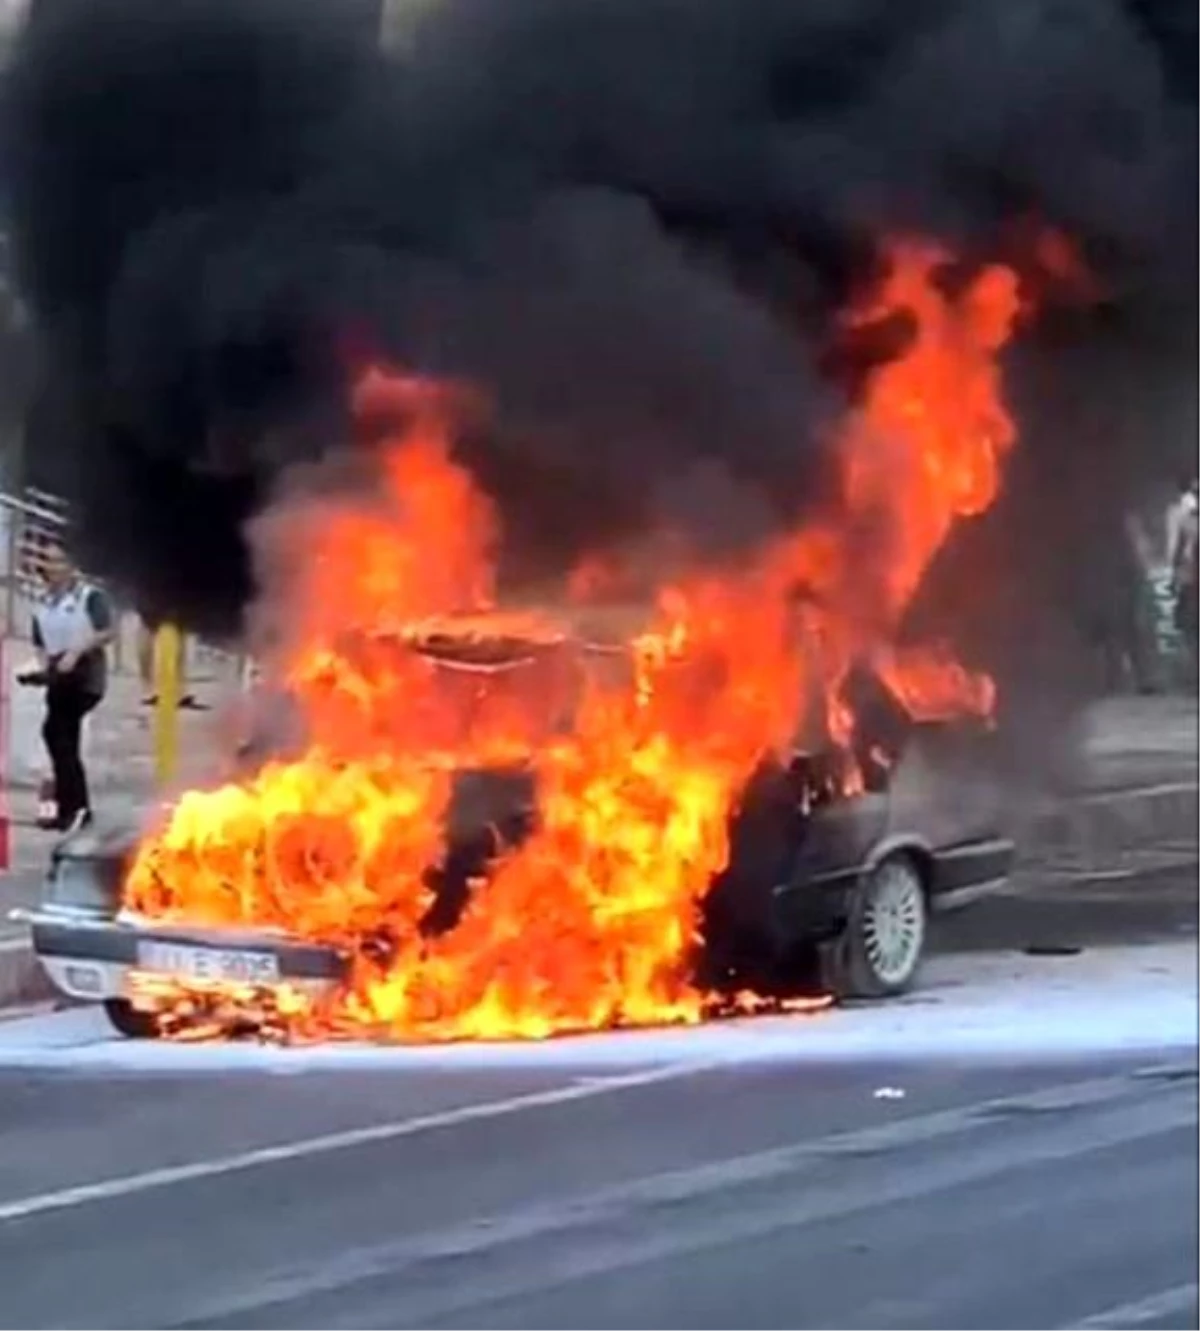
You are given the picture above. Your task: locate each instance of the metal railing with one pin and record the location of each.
(31, 524)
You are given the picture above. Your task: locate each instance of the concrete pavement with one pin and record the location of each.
(1130, 793)
(1136, 741)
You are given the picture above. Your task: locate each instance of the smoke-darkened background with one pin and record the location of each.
(625, 221)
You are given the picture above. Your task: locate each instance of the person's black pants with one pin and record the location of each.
(66, 706)
(1187, 613)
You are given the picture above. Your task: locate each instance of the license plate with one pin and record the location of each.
(208, 963)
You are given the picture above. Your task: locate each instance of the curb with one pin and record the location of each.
(1095, 831)
(1090, 832)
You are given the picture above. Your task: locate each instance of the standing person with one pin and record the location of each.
(1185, 582)
(1140, 654)
(71, 632)
(1108, 589)
(1181, 510)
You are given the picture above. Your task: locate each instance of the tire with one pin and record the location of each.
(130, 1021)
(879, 952)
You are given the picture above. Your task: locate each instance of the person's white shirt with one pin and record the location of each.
(1184, 509)
(62, 620)
(1183, 563)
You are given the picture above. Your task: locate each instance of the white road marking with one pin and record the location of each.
(1153, 1308)
(625, 1225)
(24, 1207)
(1137, 793)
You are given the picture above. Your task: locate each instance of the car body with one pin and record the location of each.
(839, 851)
(806, 872)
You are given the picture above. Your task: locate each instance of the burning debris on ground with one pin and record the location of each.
(706, 310)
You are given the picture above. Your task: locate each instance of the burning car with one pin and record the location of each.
(838, 853)
(501, 831)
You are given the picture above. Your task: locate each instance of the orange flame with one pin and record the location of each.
(591, 920)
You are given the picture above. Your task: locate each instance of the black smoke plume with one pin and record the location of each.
(625, 221)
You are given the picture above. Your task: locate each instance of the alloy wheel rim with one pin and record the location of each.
(894, 924)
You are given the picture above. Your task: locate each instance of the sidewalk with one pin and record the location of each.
(1132, 798)
(1138, 741)
(118, 735)
(1128, 806)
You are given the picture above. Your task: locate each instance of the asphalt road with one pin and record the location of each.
(950, 1190)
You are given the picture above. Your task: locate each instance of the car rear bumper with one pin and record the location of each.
(93, 958)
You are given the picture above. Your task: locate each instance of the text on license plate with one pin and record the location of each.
(208, 963)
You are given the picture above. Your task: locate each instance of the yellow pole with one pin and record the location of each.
(168, 659)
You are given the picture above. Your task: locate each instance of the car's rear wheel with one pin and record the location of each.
(130, 1021)
(880, 950)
